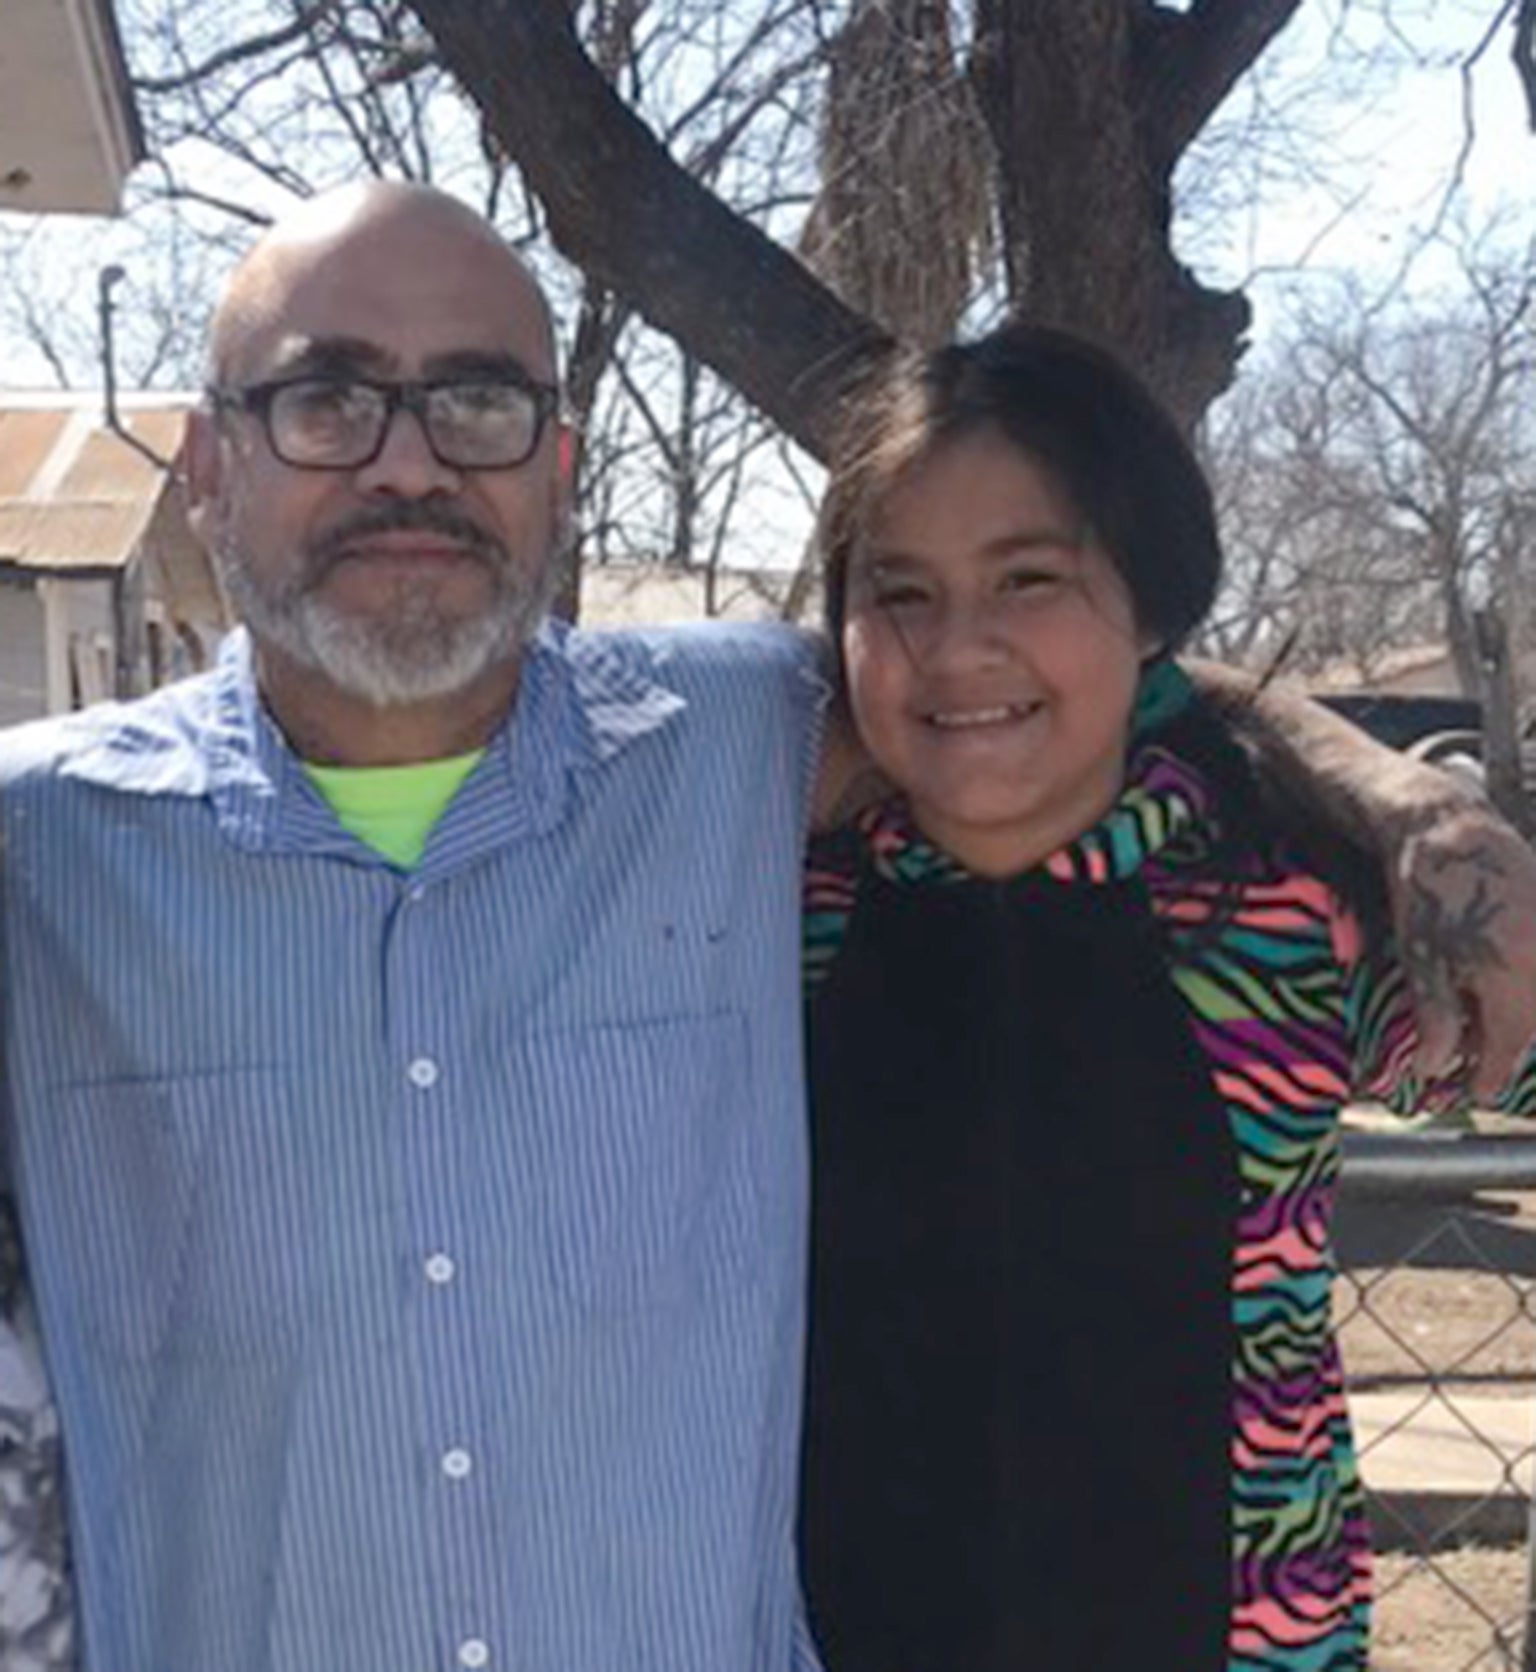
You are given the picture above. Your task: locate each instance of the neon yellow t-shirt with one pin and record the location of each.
(392, 808)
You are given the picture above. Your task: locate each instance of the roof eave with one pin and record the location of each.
(116, 109)
(69, 150)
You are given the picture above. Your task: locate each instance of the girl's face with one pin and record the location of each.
(992, 655)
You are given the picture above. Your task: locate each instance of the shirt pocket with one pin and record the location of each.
(175, 1215)
(642, 1157)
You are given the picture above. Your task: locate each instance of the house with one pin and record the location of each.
(104, 591)
(69, 129)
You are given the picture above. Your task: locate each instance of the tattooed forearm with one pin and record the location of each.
(1465, 912)
(1444, 936)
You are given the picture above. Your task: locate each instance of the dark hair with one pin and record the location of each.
(1072, 407)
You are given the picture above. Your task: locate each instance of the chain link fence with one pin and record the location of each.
(1436, 1310)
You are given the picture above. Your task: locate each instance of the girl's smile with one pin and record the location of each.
(992, 655)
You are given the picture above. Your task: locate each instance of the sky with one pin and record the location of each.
(1389, 143)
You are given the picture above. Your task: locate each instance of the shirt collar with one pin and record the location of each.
(581, 700)
(1164, 806)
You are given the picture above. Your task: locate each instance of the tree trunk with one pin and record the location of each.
(1461, 630)
(1090, 104)
(1501, 726)
(598, 325)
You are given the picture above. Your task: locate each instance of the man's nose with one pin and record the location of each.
(405, 464)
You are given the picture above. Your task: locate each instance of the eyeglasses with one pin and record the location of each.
(331, 423)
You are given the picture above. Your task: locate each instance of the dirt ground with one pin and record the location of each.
(1460, 1309)
(1466, 1614)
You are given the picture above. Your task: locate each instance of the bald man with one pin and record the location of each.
(402, 1047)
(403, 1039)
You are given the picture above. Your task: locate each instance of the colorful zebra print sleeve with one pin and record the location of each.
(1380, 1022)
(1519, 1096)
(828, 891)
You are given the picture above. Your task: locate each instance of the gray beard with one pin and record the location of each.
(413, 652)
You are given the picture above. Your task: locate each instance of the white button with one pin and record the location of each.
(415, 894)
(457, 1463)
(440, 1268)
(474, 1652)
(423, 1072)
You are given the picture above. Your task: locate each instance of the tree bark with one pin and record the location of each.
(1090, 104)
(1187, 63)
(620, 207)
(1524, 55)
(1501, 727)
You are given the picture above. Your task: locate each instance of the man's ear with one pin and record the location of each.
(567, 457)
(567, 463)
(201, 464)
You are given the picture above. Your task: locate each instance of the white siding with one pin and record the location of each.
(23, 669)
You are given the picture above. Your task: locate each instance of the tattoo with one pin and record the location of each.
(1478, 860)
(1442, 938)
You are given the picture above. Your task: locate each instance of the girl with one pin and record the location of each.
(1082, 1014)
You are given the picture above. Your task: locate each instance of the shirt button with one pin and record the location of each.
(440, 1268)
(423, 1073)
(457, 1463)
(474, 1652)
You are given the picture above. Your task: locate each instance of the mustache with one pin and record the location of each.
(414, 516)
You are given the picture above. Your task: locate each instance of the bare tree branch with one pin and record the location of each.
(690, 265)
(1189, 63)
(242, 212)
(1525, 57)
(1456, 177)
(256, 46)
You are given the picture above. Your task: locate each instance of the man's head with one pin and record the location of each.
(398, 551)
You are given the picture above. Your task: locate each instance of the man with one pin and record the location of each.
(417, 1246)
(403, 1076)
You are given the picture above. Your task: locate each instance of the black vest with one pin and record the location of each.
(1020, 1371)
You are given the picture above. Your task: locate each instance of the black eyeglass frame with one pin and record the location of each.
(413, 396)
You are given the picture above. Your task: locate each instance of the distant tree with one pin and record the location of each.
(1379, 486)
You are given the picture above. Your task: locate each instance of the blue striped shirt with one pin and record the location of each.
(419, 1256)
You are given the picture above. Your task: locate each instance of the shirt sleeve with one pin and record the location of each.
(1384, 1034)
(36, 1612)
(802, 665)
